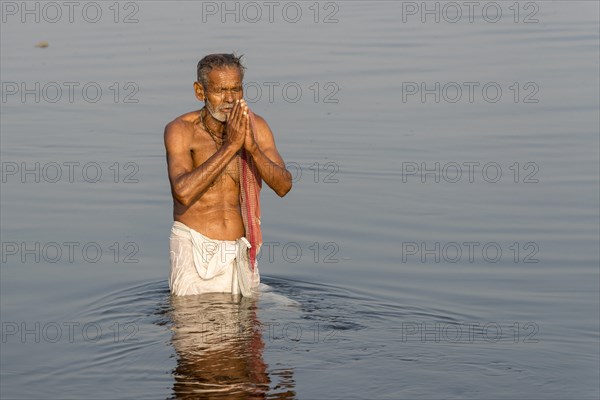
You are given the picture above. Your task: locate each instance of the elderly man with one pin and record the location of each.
(217, 158)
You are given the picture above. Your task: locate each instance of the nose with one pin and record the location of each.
(229, 97)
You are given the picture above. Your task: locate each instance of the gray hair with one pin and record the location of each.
(218, 61)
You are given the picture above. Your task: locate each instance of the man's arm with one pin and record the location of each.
(269, 163)
(188, 183)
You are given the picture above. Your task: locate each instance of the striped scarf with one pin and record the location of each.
(250, 185)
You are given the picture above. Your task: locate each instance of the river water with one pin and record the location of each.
(440, 240)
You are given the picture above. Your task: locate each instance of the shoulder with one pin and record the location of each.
(261, 125)
(180, 127)
(259, 120)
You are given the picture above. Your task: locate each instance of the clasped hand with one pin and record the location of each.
(238, 129)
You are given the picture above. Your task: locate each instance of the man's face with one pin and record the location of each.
(224, 88)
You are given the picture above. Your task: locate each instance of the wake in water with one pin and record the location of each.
(223, 346)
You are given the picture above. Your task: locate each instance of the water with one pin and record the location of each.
(479, 278)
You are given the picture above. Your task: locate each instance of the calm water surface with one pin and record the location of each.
(440, 241)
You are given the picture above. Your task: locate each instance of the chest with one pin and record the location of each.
(204, 146)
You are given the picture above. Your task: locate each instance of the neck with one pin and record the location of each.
(213, 124)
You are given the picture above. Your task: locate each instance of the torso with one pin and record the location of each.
(216, 214)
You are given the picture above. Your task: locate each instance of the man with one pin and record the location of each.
(216, 159)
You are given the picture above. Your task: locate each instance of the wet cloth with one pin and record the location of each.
(203, 265)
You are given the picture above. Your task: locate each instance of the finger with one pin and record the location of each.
(246, 119)
(238, 116)
(234, 112)
(239, 122)
(240, 112)
(247, 130)
(249, 113)
(250, 121)
(246, 110)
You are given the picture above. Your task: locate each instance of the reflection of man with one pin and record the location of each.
(219, 348)
(216, 158)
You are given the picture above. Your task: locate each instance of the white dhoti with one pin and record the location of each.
(203, 265)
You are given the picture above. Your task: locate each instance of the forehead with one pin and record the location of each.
(224, 76)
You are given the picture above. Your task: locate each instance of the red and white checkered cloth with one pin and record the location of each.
(250, 186)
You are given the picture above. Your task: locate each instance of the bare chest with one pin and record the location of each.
(203, 147)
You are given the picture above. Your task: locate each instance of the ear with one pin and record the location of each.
(199, 91)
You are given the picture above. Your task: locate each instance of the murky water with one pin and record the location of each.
(440, 241)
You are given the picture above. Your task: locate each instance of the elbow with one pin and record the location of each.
(285, 189)
(182, 200)
(182, 197)
(182, 192)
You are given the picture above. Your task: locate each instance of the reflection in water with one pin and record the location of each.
(219, 344)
